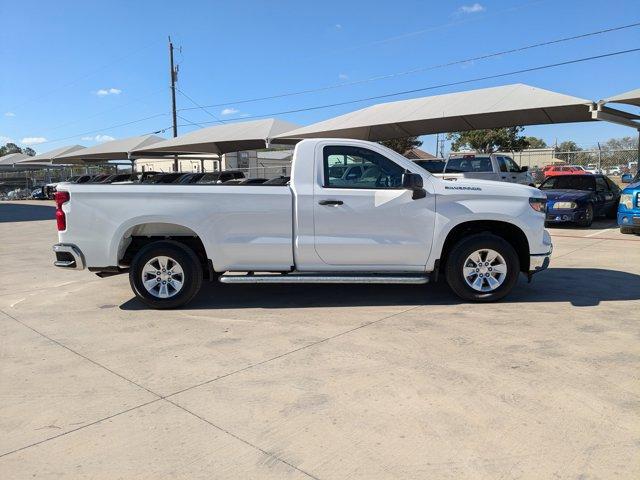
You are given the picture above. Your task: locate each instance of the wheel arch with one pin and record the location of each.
(134, 235)
(506, 230)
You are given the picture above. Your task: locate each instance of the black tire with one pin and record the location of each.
(177, 252)
(588, 217)
(455, 263)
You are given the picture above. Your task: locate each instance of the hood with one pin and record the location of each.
(633, 186)
(568, 195)
(474, 186)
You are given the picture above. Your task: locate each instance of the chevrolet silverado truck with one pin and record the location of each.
(395, 223)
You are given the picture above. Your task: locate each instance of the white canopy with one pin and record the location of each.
(11, 158)
(494, 107)
(228, 137)
(631, 97)
(47, 157)
(119, 149)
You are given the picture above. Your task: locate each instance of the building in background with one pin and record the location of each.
(187, 163)
(418, 154)
(260, 163)
(535, 157)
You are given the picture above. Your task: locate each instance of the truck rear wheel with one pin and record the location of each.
(165, 274)
(482, 268)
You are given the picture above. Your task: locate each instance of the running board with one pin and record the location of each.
(315, 278)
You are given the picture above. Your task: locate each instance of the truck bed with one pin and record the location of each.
(240, 226)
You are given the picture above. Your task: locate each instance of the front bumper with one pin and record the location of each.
(538, 263)
(565, 216)
(629, 221)
(68, 256)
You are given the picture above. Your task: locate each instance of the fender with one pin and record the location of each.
(118, 242)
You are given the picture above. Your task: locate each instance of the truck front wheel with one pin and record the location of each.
(165, 274)
(482, 268)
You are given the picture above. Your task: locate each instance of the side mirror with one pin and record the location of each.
(524, 169)
(626, 178)
(413, 181)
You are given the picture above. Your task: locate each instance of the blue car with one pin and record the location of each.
(629, 208)
(578, 199)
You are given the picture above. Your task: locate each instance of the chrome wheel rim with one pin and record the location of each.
(484, 270)
(162, 277)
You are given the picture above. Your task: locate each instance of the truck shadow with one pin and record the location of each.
(582, 287)
(12, 212)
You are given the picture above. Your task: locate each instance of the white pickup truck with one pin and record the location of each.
(482, 166)
(395, 223)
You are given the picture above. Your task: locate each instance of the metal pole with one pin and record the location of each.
(599, 158)
(174, 114)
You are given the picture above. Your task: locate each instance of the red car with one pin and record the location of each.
(555, 170)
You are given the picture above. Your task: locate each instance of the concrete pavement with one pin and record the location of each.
(322, 382)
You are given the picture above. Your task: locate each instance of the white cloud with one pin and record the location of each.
(343, 76)
(33, 140)
(475, 8)
(4, 139)
(108, 91)
(229, 111)
(98, 138)
(338, 26)
(9, 114)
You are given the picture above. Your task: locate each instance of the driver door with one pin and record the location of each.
(370, 221)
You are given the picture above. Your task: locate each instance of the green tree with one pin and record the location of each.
(402, 144)
(568, 146)
(488, 141)
(9, 148)
(535, 142)
(624, 143)
(13, 148)
(566, 151)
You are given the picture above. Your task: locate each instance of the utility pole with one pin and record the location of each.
(174, 78)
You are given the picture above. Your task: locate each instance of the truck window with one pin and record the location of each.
(468, 164)
(511, 165)
(355, 167)
(503, 164)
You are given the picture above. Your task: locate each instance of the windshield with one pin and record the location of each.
(570, 182)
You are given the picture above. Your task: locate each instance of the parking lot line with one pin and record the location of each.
(601, 231)
(630, 239)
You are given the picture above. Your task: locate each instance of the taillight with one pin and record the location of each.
(61, 219)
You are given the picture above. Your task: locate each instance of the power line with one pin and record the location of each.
(449, 84)
(189, 121)
(419, 69)
(106, 128)
(377, 97)
(117, 107)
(197, 105)
(83, 77)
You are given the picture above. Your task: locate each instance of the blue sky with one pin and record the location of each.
(72, 70)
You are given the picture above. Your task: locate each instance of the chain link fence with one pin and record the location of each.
(613, 163)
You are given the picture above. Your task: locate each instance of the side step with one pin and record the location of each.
(318, 278)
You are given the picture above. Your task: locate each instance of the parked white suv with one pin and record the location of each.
(395, 223)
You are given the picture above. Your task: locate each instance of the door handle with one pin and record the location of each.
(335, 203)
